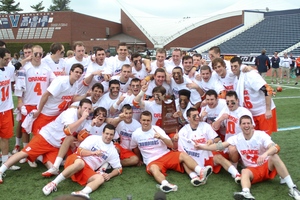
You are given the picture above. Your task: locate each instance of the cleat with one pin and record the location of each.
(295, 193)
(14, 168)
(204, 173)
(50, 187)
(80, 193)
(23, 160)
(51, 172)
(16, 149)
(196, 181)
(168, 188)
(32, 164)
(237, 179)
(243, 196)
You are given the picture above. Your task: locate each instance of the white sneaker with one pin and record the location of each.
(32, 164)
(237, 179)
(16, 149)
(168, 188)
(243, 196)
(14, 168)
(80, 193)
(51, 172)
(205, 172)
(197, 182)
(23, 160)
(50, 187)
(295, 193)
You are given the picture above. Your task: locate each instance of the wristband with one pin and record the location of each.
(115, 105)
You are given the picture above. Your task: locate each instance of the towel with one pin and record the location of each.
(28, 121)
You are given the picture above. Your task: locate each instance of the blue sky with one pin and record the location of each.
(110, 9)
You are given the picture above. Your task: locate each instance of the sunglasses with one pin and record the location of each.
(37, 53)
(230, 102)
(62, 52)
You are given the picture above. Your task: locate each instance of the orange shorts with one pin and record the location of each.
(124, 153)
(84, 174)
(39, 146)
(6, 124)
(167, 161)
(29, 108)
(267, 125)
(262, 173)
(41, 121)
(216, 167)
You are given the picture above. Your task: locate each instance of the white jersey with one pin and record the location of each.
(195, 96)
(151, 148)
(152, 85)
(189, 137)
(166, 66)
(115, 65)
(106, 102)
(228, 81)
(123, 86)
(140, 74)
(155, 109)
(92, 67)
(232, 123)
(62, 94)
(125, 132)
(254, 98)
(250, 150)
(6, 101)
(37, 81)
(213, 113)
(129, 100)
(109, 153)
(82, 89)
(212, 84)
(53, 132)
(57, 68)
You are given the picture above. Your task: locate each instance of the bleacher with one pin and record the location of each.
(277, 32)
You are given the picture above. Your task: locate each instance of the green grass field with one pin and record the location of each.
(27, 183)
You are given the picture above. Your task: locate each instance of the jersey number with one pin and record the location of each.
(38, 89)
(4, 93)
(230, 129)
(247, 102)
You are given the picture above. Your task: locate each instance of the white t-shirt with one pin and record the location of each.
(82, 89)
(6, 101)
(62, 94)
(152, 85)
(140, 74)
(254, 98)
(228, 81)
(232, 123)
(37, 81)
(115, 65)
(109, 152)
(195, 96)
(92, 67)
(189, 137)
(155, 109)
(212, 84)
(57, 68)
(125, 132)
(151, 148)
(106, 102)
(250, 150)
(53, 132)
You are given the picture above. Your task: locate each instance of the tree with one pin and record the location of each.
(60, 5)
(8, 7)
(38, 7)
